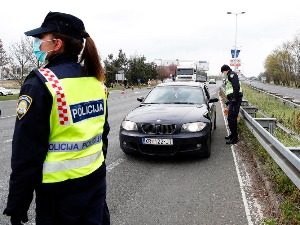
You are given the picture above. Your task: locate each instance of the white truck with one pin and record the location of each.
(186, 71)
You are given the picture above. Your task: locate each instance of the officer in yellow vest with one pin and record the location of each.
(234, 96)
(60, 129)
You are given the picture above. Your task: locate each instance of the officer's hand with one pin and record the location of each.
(233, 101)
(16, 220)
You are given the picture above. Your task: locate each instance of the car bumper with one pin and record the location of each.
(186, 143)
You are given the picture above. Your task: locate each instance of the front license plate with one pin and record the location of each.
(157, 141)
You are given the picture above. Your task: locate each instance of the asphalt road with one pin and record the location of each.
(152, 191)
(286, 91)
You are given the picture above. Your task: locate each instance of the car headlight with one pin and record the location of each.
(193, 127)
(129, 125)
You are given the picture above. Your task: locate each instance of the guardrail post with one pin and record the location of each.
(295, 150)
(251, 110)
(269, 123)
(244, 103)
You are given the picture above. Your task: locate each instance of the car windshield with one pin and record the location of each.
(175, 95)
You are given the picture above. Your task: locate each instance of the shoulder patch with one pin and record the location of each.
(231, 75)
(23, 106)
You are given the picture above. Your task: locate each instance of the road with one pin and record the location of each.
(165, 191)
(286, 91)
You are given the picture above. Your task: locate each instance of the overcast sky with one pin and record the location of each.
(168, 30)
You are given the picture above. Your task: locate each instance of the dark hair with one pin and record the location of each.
(225, 68)
(89, 54)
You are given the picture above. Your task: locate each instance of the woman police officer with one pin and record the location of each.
(60, 130)
(234, 96)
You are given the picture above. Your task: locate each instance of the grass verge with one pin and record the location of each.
(289, 207)
(9, 97)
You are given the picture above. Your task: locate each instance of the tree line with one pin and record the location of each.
(19, 61)
(282, 65)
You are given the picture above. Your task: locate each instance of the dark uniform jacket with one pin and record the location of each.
(30, 140)
(234, 79)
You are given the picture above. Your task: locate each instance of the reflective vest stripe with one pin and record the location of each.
(60, 96)
(74, 146)
(229, 88)
(51, 167)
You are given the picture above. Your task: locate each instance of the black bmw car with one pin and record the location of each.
(174, 118)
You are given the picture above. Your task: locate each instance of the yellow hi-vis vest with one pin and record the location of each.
(229, 88)
(76, 125)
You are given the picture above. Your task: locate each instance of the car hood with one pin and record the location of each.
(168, 114)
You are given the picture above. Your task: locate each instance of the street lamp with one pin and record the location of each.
(236, 14)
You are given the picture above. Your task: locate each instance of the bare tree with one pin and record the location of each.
(162, 72)
(22, 59)
(295, 51)
(4, 60)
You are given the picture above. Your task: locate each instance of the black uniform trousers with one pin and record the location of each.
(233, 112)
(80, 201)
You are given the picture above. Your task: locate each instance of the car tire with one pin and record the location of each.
(207, 148)
(1, 94)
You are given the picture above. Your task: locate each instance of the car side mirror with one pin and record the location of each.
(213, 99)
(140, 99)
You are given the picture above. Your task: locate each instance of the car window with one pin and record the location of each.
(175, 95)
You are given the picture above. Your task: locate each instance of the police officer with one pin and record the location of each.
(234, 96)
(60, 129)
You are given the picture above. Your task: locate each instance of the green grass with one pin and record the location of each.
(290, 207)
(289, 117)
(286, 115)
(9, 97)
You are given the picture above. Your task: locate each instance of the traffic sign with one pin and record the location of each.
(238, 62)
(237, 53)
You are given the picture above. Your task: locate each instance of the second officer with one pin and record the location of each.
(234, 96)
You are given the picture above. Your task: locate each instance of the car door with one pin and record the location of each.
(211, 106)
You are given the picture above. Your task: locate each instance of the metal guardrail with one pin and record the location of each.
(288, 158)
(286, 130)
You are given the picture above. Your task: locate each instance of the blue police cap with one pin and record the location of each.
(63, 23)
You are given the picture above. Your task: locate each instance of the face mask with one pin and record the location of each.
(41, 56)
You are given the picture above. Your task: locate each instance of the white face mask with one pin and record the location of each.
(40, 55)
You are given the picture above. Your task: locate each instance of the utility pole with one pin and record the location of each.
(235, 41)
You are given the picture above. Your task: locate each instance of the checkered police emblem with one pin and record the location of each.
(23, 106)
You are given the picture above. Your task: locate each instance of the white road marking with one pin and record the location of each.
(245, 183)
(114, 164)
(3, 117)
(10, 140)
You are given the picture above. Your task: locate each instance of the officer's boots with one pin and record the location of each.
(231, 140)
(228, 137)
